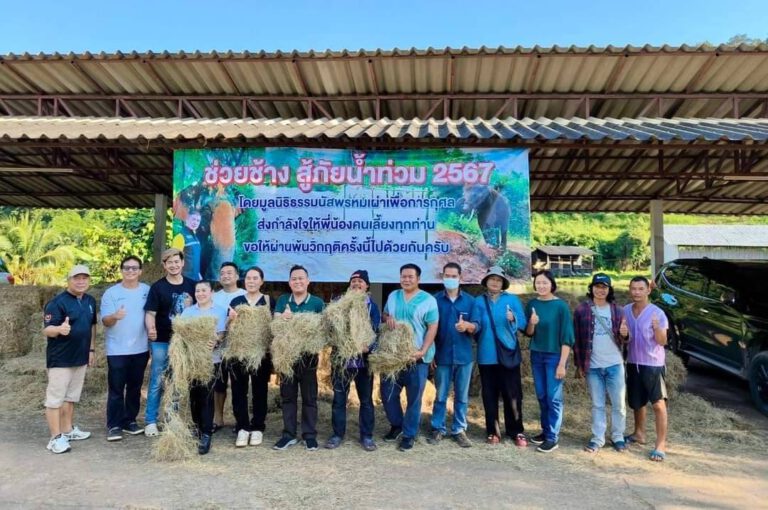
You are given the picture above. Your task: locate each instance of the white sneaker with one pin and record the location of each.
(256, 438)
(242, 438)
(59, 444)
(76, 434)
(150, 430)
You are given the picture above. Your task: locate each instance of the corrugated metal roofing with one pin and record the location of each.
(576, 164)
(408, 80)
(510, 130)
(565, 250)
(716, 235)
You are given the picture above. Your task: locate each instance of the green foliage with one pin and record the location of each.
(39, 245)
(512, 265)
(461, 223)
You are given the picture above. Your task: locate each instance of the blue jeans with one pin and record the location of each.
(413, 379)
(610, 380)
(156, 375)
(549, 391)
(364, 384)
(460, 376)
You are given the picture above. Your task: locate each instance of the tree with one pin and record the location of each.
(35, 254)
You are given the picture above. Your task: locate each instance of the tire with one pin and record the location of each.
(758, 381)
(674, 343)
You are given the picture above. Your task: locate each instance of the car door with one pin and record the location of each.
(693, 322)
(722, 325)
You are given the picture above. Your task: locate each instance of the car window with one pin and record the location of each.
(675, 275)
(720, 292)
(694, 282)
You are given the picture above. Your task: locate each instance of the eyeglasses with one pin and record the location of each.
(131, 268)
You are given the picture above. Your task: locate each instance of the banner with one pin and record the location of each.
(336, 211)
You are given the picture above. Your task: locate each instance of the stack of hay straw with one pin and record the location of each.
(249, 336)
(394, 351)
(189, 362)
(294, 336)
(349, 327)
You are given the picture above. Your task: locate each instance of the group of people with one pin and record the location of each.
(452, 330)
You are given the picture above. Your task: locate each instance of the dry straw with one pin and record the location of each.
(189, 355)
(349, 327)
(294, 336)
(249, 336)
(176, 442)
(394, 351)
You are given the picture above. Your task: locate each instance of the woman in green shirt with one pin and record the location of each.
(551, 330)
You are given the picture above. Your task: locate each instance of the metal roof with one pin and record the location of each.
(686, 81)
(565, 250)
(717, 235)
(707, 166)
(478, 129)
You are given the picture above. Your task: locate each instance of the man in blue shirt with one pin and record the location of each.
(453, 357)
(413, 306)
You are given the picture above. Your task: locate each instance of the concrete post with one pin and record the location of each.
(657, 235)
(161, 212)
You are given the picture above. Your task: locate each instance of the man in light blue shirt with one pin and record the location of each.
(413, 306)
(127, 346)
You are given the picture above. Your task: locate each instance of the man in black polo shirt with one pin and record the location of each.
(70, 326)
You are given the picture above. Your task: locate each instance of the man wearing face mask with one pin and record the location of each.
(453, 356)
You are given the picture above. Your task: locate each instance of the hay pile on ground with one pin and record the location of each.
(349, 327)
(189, 356)
(294, 336)
(177, 441)
(675, 375)
(394, 351)
(249, 336)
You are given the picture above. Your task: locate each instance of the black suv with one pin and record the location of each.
(718, 313)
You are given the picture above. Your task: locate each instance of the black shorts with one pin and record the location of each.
(645, 384)
(221, 377)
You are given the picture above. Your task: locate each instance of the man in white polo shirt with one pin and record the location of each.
(127, 346)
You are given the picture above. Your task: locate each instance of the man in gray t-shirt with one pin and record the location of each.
(600, 331)
(127, 347)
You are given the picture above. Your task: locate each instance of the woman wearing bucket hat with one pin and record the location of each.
(500, 316)
(551, 328)
(600, 330)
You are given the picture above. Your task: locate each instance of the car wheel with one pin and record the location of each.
(758, 381)
(673, 339)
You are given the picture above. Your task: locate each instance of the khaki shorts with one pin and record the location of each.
(64, 385)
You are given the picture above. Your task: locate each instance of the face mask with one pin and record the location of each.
(451, 283)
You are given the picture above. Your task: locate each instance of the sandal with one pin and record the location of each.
(620, 446)
(657, 456)
(493, 439)
(631, 439)
(216, 428)
(592, 447)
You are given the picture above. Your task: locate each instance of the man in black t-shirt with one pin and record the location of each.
(167, 298)
(70, 326)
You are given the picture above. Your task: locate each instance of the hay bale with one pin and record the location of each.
(675, 375)
(249, 336)
(349, 327)
(294, 336)
(189, 356)
(394, 351)
(177, 441)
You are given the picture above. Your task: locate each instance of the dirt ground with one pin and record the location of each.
(97, 474)
(712, 463)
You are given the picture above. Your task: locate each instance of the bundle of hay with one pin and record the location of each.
(294, 336)
(249, 336)
(394, 351)
(349, 327)
(176, 442)
(189, 356)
